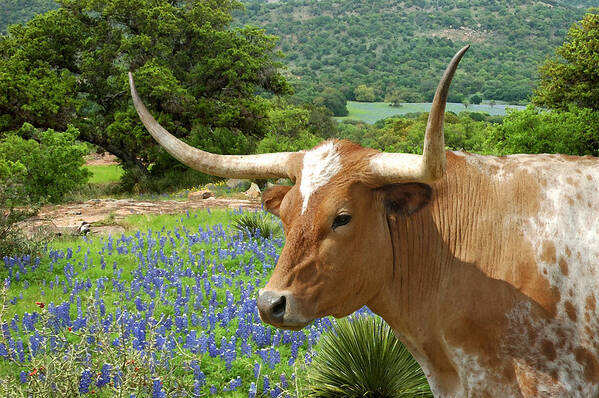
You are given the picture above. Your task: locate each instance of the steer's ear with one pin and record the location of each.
(405, 199)
(272, 198)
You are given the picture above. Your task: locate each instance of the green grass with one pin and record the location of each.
(370, 112)
(96, 250)
(105, 174)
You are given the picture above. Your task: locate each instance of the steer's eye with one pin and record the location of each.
(341, 220)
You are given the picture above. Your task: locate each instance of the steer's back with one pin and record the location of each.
(543, 213)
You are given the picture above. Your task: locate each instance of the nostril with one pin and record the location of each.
(278, 308)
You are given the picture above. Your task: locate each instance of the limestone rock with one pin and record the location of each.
(236, 183)
(253, 191)
(200, 195)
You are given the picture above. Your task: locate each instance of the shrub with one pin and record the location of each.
(533, 130)
(52, 162)
(361, 357)
(13, 210)
(275, 143)
(258, 224)
(173, 180)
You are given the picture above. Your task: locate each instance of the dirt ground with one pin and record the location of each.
(100, 159)
(104, 215)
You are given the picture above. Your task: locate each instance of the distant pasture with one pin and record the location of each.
(370, 112)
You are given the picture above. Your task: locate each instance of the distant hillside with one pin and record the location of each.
(403, 46)
(400, 47)
(21, 11)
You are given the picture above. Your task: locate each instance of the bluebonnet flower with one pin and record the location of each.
(20, 350)
(253, 390)
(275, 392)
(229, 356)
(117, 379)
(104, 376)
(85, 381)
(213, 390)
(157, 389)
(35, 343)
(23, 377)
(197, 389)
(234, 384)
(256, 370)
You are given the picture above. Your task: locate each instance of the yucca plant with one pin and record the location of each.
(258, 223)
(362, 357)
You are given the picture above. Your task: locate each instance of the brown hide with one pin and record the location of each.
(479, 300)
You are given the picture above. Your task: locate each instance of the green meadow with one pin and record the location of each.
(104, 174)
(370, 112)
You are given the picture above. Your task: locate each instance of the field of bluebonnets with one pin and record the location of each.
(168, 310)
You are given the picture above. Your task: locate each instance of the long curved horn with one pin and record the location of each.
(269, 165)
(430, 166)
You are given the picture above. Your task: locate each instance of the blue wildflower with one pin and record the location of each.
(85, 381)
(253, 390)
(104, 376)
(157, 389)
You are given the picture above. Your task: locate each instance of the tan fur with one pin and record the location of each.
(477, 299)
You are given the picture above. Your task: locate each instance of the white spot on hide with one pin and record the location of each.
(320, 165)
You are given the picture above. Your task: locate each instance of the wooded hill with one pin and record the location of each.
(398, 49)
(403, 46)
(21, 11)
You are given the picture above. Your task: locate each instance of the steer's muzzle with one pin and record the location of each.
(279, 310)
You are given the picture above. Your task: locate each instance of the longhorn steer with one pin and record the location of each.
(485, 267)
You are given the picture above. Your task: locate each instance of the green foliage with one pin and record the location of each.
(51, 163)
(20, 11)
(294, 128)
(334, 100)
(363, 93)
(275, 143)
(136, 369)
(258, 224)
(198, 76)
(476, 99)
(169, 181)
(405, 134)
(289, 121)
(406, 45)
(14, 208)
(573, 76)
(363, 358)
(573, 132)
(393, 97)
(321, 122)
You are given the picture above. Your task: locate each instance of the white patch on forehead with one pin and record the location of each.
(320, 165)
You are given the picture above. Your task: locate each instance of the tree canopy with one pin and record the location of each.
(198, 75)
(572, 77)
(20, 11)
(405, 45)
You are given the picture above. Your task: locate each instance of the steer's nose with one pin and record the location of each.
(272, 306)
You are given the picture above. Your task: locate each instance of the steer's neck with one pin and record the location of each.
(460, 265)
(437, 258)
